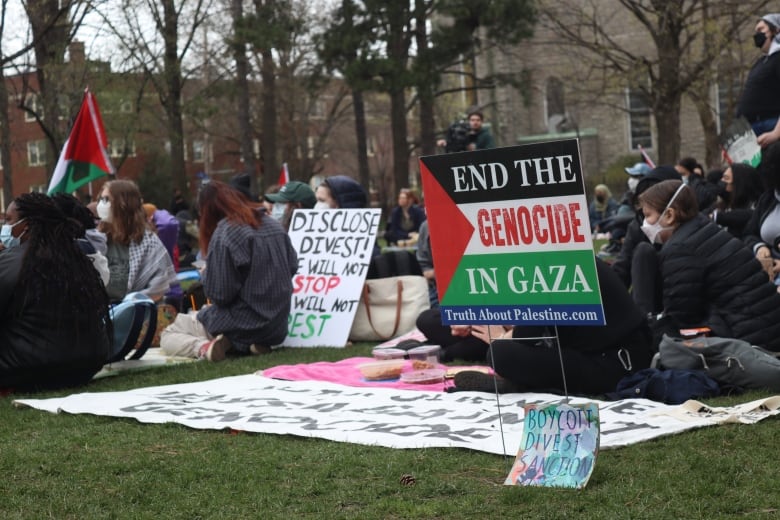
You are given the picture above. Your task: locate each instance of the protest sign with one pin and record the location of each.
(740, 143)
(559, 446)
(510, 236)
(334, 249)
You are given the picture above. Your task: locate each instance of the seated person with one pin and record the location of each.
(248, 278)
(293, 195)
(637, 264)
(710, 278)
(340, 191)
(425, 260)
(594, 358)
(602, 207)
(137, 259)
(53, 307)
(405, 219)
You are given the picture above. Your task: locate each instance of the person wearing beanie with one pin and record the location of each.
(759, 102)
(340, 191)
(293, 195)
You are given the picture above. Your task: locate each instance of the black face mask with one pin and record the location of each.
(601, 198)
(759, 39)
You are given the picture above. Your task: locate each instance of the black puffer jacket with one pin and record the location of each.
(711, 279)
(37, 347)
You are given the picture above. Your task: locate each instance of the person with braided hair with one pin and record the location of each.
(55, 327)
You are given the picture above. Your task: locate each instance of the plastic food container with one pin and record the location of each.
(388, 353)
(427, 354)
(381, 370)
(423, 377)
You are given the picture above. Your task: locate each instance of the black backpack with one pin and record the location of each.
(458, 136)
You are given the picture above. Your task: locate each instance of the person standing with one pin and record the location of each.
(760, 102)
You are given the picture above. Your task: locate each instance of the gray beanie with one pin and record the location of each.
(772, 19)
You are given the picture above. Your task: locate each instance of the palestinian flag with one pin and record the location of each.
(510, 236)
(84, 156)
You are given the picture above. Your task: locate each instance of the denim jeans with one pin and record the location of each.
(767, 125)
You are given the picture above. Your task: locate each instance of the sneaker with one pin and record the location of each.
(259, 350)
(474, 381)
(216, 349)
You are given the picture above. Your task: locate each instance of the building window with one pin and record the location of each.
(38, 188)
(32, 102)
(640, 129)
(36, 153)
(555, 105)
(198, 151)
(371, 146)
(116, 148)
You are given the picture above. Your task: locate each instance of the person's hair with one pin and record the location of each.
(689, 163)
(54, 270)
(769, 169)
(216, 201)
(409, 195)
(746, 184)
(476, 112)
(684, 204)
(74, 209)
(128, 219)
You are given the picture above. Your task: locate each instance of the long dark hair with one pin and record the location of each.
(56, 274)
(746, 186)
(216, 201)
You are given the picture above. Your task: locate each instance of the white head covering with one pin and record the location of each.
(773, 19)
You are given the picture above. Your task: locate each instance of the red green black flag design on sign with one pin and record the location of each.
(510, 236)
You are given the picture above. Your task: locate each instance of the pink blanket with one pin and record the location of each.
(345, 372)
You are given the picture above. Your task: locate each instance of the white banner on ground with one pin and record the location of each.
(376, 416)
(334, 249)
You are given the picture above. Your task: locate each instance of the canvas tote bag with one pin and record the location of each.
(389, 307)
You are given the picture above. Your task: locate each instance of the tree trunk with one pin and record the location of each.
(710, 126)
(668, 93)
(425, 88)
(359, 108)
(400, 146)
(5, 144)
(267, 73)
(172, 98)
(242, 88)
(50, 31)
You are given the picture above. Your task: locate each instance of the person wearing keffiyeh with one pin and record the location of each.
(137, 259)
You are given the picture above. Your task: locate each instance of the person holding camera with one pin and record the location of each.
(477, 137)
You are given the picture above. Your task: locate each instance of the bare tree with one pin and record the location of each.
(595, 34)
(162, 56)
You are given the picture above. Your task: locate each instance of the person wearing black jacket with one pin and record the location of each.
(55, 327)
(594, 358)
(762, 232)
(710, 278)
(637, 263)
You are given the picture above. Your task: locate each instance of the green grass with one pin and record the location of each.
(80, 466)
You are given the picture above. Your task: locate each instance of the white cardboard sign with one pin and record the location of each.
(334, 249)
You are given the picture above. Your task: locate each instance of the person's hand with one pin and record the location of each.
(768, 138)
(763, 252)
(488, 333)
(428, 274)
(460, 330)
(441, 143)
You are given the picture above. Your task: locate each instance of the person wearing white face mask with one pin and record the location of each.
(293, 195)
(710, 279)
(137, 259)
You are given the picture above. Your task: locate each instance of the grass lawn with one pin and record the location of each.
(66, 466)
